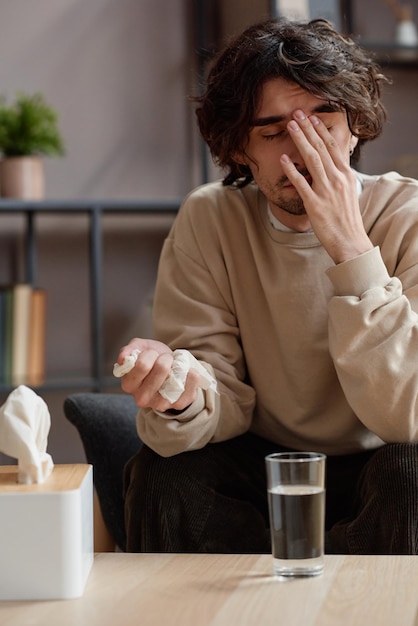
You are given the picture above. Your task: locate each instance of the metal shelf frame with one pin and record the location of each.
(95, 209)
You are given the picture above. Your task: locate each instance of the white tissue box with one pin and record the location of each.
(46, 534)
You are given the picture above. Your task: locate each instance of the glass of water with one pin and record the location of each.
(296, 497)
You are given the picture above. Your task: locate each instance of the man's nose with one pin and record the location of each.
(293, 153)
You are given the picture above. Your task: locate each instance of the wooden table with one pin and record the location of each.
(231, 590)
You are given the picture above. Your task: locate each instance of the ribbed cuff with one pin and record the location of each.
(354, 277)
(190, 412)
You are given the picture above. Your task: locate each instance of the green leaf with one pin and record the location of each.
(29, 127)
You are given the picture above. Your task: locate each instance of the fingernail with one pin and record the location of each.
(299, 115)
(293, 125)
(314, 120)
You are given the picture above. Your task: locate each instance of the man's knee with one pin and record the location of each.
(147, 472)
(399, 459)
(393, 470)
(385, 520)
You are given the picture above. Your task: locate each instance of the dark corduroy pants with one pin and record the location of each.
(215, 500)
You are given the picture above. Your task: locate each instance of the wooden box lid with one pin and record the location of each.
(62, 478)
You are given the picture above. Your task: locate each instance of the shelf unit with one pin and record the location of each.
(95, 210)
(390, 54)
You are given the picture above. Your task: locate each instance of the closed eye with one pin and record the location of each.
(281, 133)
(274, 135)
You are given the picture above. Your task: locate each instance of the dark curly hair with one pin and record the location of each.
(313, 55)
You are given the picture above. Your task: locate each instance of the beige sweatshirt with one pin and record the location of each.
(308, 354)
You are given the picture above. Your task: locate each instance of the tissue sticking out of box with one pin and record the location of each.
(24, 427)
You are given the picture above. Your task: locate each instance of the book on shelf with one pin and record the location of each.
(37, 338)
(6, 303)
(2, 334)
(23, 335)
(20, 332)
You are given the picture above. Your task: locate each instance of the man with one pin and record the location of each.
(295, 284)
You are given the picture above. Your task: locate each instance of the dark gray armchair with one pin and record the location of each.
(107, 427)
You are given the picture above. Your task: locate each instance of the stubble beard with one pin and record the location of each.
(287, 198)
(294, 206)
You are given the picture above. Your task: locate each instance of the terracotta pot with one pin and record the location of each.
(22, 177)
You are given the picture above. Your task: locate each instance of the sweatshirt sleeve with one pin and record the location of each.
(193, 309)
(373, 340)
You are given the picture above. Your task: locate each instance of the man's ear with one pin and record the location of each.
(353, 143)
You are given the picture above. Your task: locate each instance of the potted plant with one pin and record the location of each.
(28, 131)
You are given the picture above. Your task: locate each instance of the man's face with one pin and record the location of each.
(269, 139)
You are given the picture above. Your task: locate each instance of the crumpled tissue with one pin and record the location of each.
(24, 427)
(174, 384)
